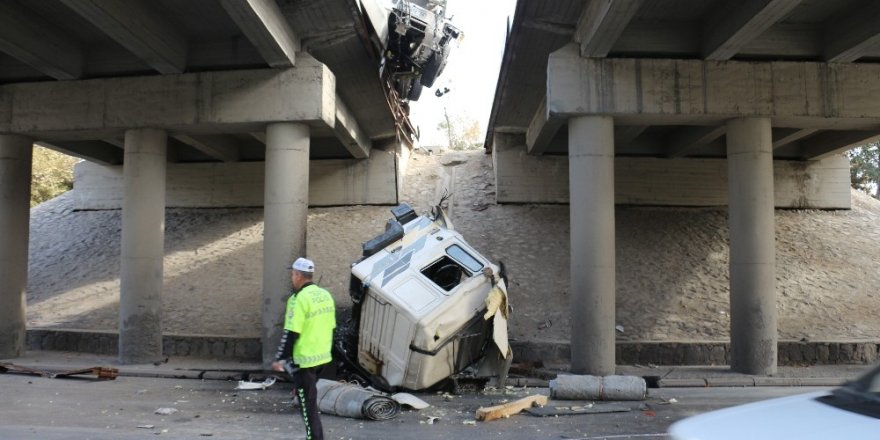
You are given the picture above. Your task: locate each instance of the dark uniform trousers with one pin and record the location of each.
(305, 387)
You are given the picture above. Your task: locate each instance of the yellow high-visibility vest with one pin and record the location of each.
(312, 314)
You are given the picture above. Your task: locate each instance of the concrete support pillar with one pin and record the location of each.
(285, 212)
(592, 288)
(143, 246)
(16, 153)
(752, 247)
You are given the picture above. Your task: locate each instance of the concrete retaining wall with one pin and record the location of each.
(370, 181)
(791, 353)
(105, 342)
(521, 178)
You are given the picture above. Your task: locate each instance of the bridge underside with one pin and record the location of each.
(199, 104)
(744, 104)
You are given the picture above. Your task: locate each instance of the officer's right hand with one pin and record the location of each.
(277, 366)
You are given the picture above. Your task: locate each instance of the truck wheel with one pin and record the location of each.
(430, 71)
(416, 91)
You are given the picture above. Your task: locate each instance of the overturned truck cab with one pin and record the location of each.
(426, 307)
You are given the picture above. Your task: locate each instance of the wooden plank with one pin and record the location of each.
(510, 408)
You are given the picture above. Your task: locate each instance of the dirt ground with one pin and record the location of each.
(672, 277)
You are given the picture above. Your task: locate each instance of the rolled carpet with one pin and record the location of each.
(350, 400)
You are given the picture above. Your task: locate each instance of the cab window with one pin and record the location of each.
(454, 267)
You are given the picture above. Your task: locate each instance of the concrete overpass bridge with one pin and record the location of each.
(744, 103)
(190, 104)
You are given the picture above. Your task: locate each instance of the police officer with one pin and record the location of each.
(308, 337)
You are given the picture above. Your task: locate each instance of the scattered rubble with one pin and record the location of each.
(248, 385)
(553, 411)
(99, 372)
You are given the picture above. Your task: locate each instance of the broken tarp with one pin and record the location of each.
(99, 372)
(497, 307)
(350, 400)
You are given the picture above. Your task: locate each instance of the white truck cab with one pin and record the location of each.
(420, 305)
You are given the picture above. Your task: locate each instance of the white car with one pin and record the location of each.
(850, 412)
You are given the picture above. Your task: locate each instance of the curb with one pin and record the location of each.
(107, 343)
(741, 382)
(790, 354)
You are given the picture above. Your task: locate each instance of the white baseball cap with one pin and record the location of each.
(303, 265)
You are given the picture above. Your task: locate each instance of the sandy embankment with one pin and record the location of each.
(671, 263)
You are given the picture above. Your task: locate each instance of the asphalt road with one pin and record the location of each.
(50, 409)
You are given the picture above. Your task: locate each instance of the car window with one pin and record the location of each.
(467, 260)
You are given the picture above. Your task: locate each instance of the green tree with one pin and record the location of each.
(51, 174)
(462, 131)
(864, 168)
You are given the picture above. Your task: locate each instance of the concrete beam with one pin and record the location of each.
(625, 134)
(686, 140)
(94, 151)
(197, 102)
(219, 147)
(260, 136)
(38, 44)
(349, 132)
(601, 23)
(138, 28)
(852, 36)
(785, 136)
(738, 22)
(542, 130)
(832, 142)
(264, 25)
(116, 142)
(694, 92)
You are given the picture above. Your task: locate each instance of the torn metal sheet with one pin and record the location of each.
(99, 372)
(248, 385)
(350, 400)
(410, 401)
